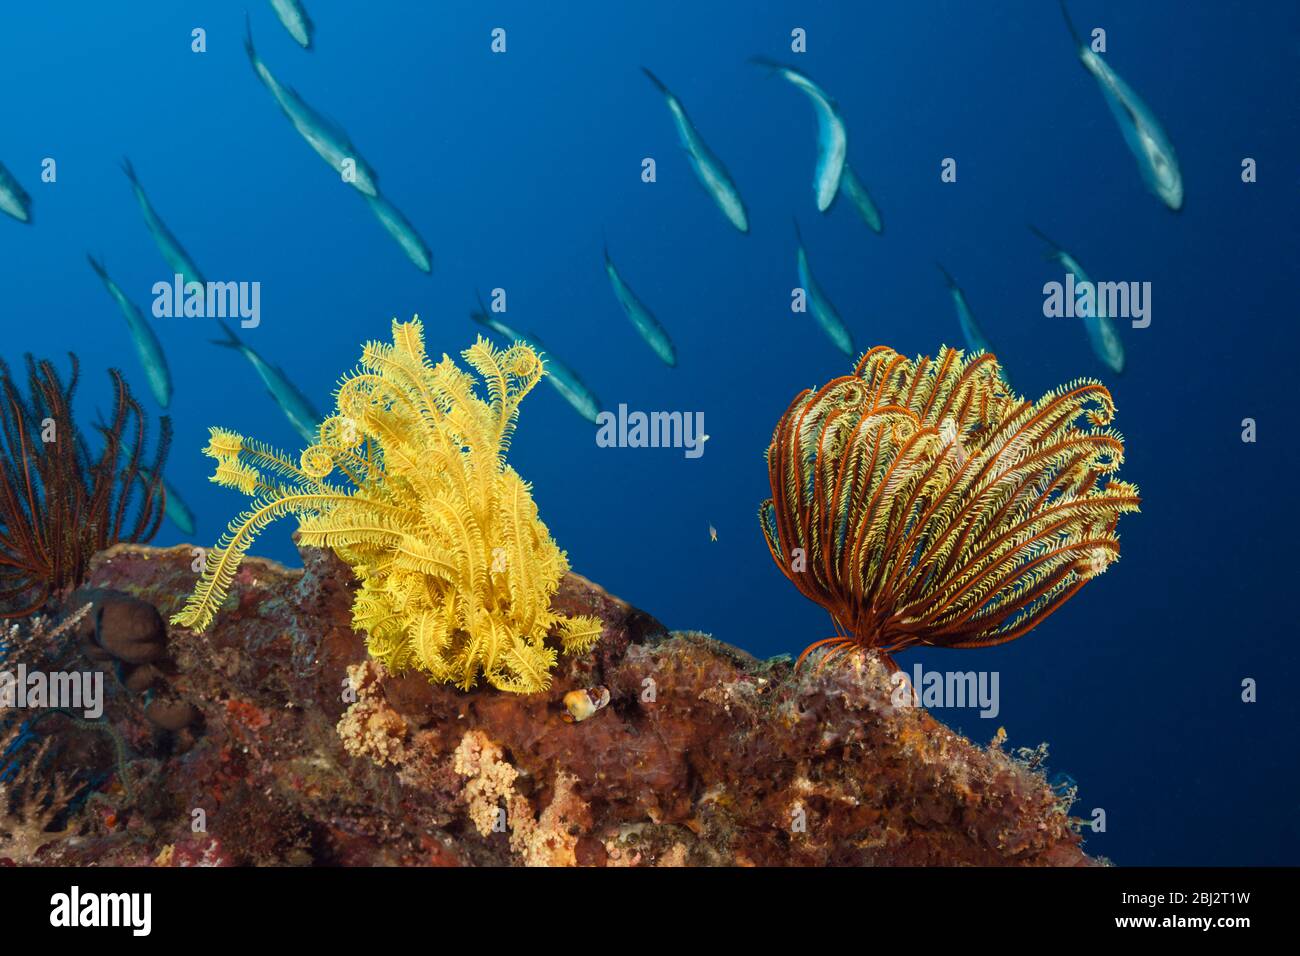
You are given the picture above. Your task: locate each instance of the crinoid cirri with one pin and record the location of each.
(923, 503)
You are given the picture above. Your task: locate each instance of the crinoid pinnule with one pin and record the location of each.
(921, 502)
(59, 504)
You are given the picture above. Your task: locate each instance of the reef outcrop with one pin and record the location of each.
(274, 739)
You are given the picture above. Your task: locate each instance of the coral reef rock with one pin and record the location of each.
(274, 739)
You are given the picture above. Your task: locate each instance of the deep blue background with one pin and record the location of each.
(513, 166)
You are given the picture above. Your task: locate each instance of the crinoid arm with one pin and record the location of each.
(456, 570)
(59, 502)
(922, 502)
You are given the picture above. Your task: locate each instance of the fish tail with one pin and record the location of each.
(766, 62)
(1065, 12)
(101, 425)
(129, 170)
(231, 341)
(248, 39)
(1041, 235)
(481, 316)
(97, 266)
(308, 27)
(798, 235)
(1055, 249)
(949, 281)
(659, 84)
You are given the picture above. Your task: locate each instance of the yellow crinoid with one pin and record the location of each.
(456, 570)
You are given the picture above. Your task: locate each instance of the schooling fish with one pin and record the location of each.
(13, 198)
(646, 324)
(822, 309)
(970, 330)
(832, 138)
(294, 17)
(562, 378)
(708, 168)
(324, 136)
(1100, 327)
(857, 194)
(147, 346)
(400, 228)
(177, 258)
(292, 402)
(177, 511)
(1142, 131)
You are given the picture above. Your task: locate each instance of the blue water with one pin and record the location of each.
(516, 166)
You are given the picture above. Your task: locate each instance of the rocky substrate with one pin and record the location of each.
(274, 740)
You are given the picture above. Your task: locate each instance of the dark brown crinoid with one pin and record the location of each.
(58, 503)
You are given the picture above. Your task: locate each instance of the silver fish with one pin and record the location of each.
(561, 377)
(646, 324)
(177, 258)
(294, 17)
(708, 168)
(970, 330)
(304, 418)
(1143, 133)
(176, 510)
(13, 198)
(1100, 328)
(832, 137)
(147, 347)
(326, 137)
(400, 228)
(852, 188)
(822, 309)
